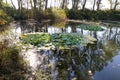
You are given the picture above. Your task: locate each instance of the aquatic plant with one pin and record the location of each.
(60, 40)
(36, 39)
(91, 27)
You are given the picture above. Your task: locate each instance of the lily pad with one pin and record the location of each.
(66, 40)
(91, 27)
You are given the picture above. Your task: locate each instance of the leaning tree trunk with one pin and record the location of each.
(83, 7)
(98, 4)
(94, 5)
(64, 4)
(34, 1)
(75, 4)
(116, 3)
(13, 5)
(46, 3)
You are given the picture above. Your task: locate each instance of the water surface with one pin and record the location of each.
(99, 61)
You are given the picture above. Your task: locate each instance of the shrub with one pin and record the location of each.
(4, 18)
(93, 15)
(53, 14)
(57, 13)
(11, 62)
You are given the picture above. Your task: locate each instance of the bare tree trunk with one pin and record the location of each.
(64, 4)
(40, 5)
(116, 3)
(46, 3)
(19, 5)
(1, 4)
(83, 7)
(51, 4)
(75, 4)
(34, 1)
(6, 2)
(13, 5)
(94, 5)
(98, 4)
(110, 1)
(31, 4)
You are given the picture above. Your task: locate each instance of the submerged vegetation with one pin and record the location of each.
(65, 40)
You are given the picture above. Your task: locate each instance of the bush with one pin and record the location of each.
(53, 14)
(58, 14)
(11, 62)
(93, 15)
(23, 14)
(40, 14)
(4, 18)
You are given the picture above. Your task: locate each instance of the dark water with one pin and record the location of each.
(99, 61)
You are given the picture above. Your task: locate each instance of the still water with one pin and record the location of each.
(98, 61)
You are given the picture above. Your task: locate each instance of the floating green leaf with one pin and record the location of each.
(91, 27)
(58, 40)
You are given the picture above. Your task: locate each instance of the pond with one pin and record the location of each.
(98, 61)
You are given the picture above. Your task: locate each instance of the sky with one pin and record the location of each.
(88, 4)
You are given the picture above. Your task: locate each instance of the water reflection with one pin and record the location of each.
(110, 33)
(83, 63)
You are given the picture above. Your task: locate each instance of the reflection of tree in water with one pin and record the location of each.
(28, 27)
(79, 63)
(82, 63)
(75, 63)
(112, 34)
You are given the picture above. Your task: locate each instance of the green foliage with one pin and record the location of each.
(80, 14)
(57, 13)
(39, 14)
(67, 39)
(58, 40)
(93, 15)
(91, 27)
(36, 39)
(51, 13)
(23, 14)
(11, 62)
(4, 18)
